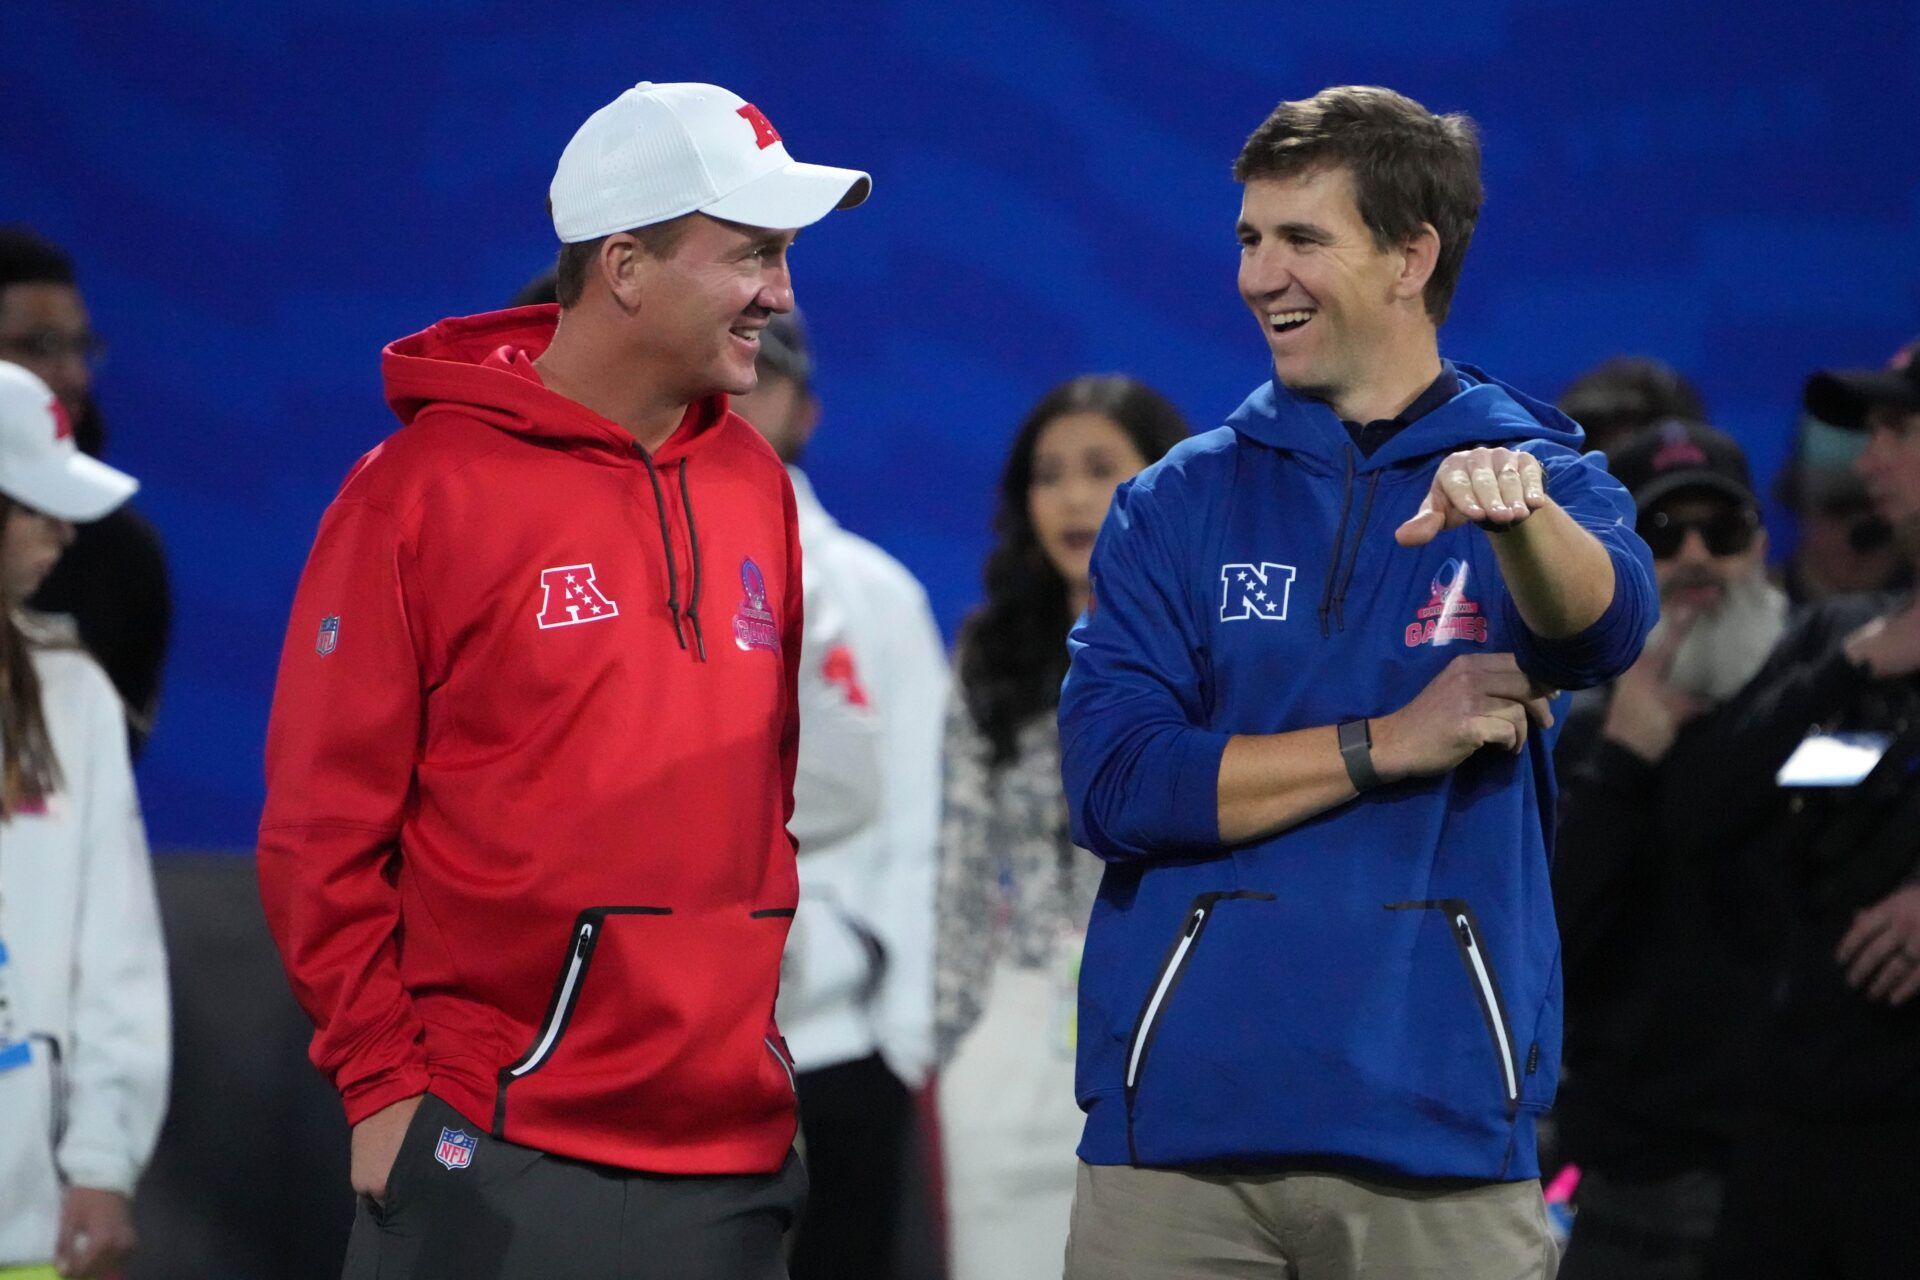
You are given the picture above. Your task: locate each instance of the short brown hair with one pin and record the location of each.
(1409, 166)
(570, 269)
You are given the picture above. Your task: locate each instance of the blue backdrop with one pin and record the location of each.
(260, 196)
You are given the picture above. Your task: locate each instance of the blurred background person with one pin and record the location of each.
(1840, 545)
(83, 983)
(1660, 1003)
(1816, 832)
(1014, 891)
(856, 980)
(113, 580)
(1843, 544)
(1623, 396)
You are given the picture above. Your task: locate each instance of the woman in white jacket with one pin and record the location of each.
(83, 993)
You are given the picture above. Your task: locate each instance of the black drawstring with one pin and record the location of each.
(1339, 537)
(693, 541)
(666, 544)
(1359, 535)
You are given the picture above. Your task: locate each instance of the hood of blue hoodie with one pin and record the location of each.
(1486, 411)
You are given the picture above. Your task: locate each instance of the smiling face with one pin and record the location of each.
(703, 304)
(30, 545)
(1337, 311)
(1078, 459)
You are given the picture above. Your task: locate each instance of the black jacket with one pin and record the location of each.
(1663, 996)
(1798, 864)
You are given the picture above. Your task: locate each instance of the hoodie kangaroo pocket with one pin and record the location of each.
(1278, 1030)
(657, 1045)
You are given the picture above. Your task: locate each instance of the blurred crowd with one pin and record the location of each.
(1736, 866)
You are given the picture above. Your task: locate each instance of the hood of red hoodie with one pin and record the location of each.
(481, 366)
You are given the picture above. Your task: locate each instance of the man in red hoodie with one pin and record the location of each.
(532, 749)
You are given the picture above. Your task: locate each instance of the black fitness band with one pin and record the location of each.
(1356, 750)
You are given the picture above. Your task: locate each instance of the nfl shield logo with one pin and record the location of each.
(329, 635)
(455, 1148)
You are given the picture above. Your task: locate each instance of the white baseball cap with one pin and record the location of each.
(659, 151)
(39, 463)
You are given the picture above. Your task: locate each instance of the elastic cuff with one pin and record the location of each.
(1581, 660)
(1194, 788)
(364, 1097)
(98, 1168)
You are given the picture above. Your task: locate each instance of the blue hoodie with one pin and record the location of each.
(1379, 986)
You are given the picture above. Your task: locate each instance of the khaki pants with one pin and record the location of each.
(1170, 1224)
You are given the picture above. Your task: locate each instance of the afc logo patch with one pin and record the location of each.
(455, 1148)
(568, 597)
(1255, 591)
(1448, 615)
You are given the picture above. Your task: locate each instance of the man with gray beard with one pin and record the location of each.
(1660, 1002)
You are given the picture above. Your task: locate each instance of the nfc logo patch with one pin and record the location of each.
(1259, 591)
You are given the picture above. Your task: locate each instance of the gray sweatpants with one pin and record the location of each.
(1171, 1224)
(491, 1210)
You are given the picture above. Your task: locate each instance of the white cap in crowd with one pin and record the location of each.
(40, 465)
(659, 151)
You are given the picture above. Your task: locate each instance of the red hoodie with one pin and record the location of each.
(530, 767)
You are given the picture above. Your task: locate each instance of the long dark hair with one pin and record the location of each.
(29, 773)
(1013, 647)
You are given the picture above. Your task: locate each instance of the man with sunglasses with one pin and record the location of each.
(1658, 1002)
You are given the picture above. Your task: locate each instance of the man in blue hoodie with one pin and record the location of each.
(1307, 726)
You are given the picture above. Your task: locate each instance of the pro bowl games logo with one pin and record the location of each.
(1448, 615)
(753, 626)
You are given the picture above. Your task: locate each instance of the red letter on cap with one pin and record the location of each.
(764, 134)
